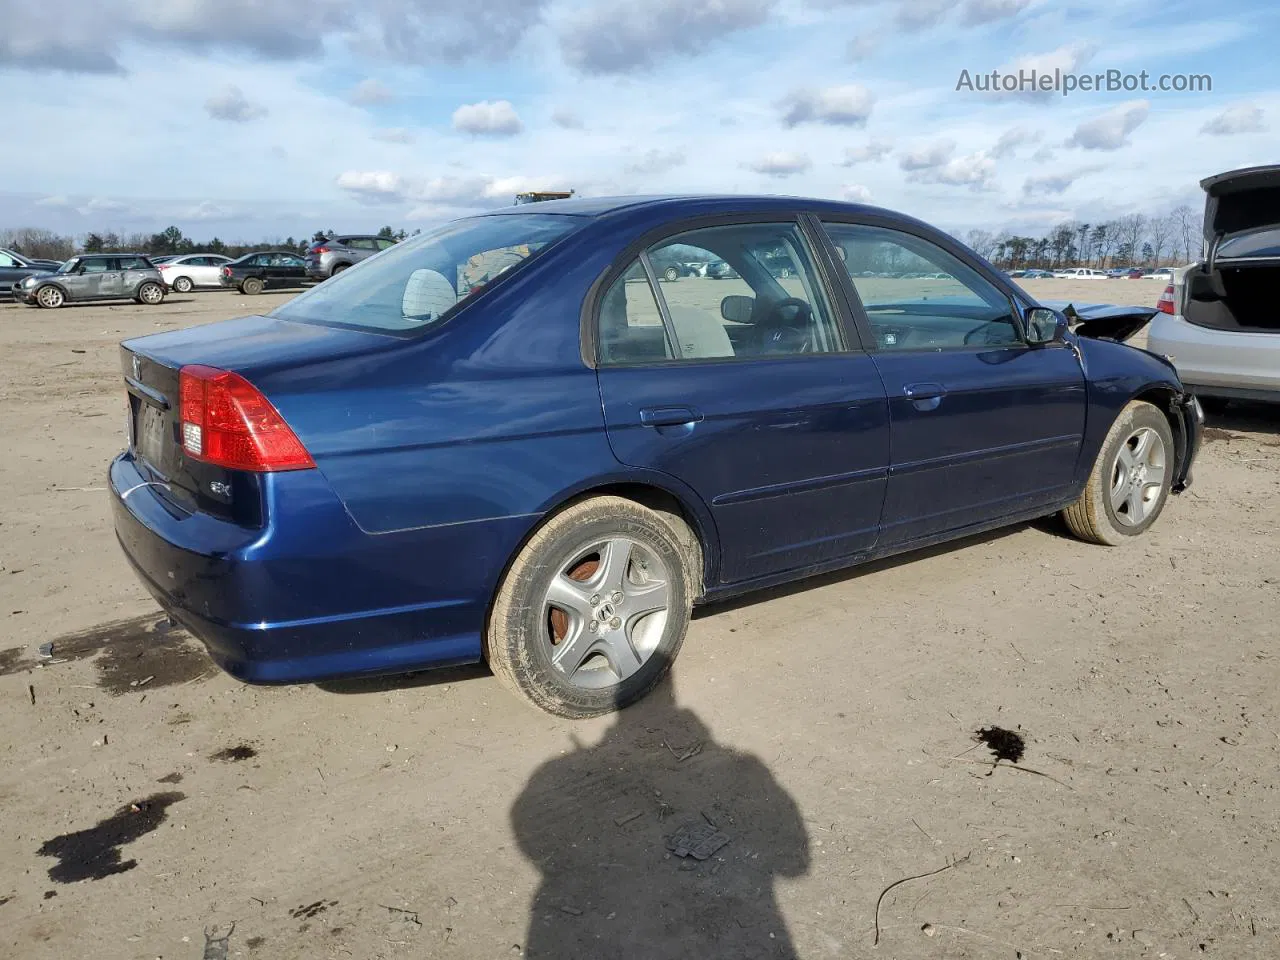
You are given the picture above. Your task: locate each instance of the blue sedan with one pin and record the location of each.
(514, 439)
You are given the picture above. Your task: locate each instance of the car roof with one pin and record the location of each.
(689, 205)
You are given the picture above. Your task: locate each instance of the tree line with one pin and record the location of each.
(46, 244)
(1136, 240)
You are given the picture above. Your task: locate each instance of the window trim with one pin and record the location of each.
(1018, 305)
(842, 320)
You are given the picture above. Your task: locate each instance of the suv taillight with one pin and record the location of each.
(227, 421)
(1166, 303)
(320, 250)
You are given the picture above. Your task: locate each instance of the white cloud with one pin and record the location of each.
(496, 118)
(1013, 138)
(927, 156)
(870, 152)
(862, 47)
(394, 135)
(1056, 183)
(208, 211)
(369, 92)
(374, 186)
(1068, 58)
(781, 164)
(921, 14)
(230, 104)
(855, 193)
(847, 106)
(102, 205)
(1043, 155)
(622, 36)
(566, 119)
(656, 162)
(1111, 130)
(985, 11)
(1240, 118)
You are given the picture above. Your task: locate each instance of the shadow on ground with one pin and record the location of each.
(658, 842)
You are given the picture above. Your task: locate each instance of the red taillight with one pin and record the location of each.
(320, 250)
(227, 422)
(226, 271)
(1166, 303)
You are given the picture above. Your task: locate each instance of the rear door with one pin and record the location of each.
(983, 426)
(749, 391)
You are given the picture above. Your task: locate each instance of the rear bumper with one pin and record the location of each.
(311, 596)
(1219, 362)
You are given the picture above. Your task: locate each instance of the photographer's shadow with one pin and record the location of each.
(619, 831)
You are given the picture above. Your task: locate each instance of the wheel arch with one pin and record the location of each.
(1167, 399)
(659, 495)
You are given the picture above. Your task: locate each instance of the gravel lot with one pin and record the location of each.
(152, 804)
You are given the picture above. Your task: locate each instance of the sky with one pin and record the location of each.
(250, 119)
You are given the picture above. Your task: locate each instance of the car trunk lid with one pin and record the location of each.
(1239, 202)
(255, 348)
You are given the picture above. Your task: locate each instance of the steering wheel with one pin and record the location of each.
(798, 323)
(983, 333)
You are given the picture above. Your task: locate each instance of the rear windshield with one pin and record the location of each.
(421, 281)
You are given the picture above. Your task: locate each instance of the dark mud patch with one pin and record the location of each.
(234, 754)
(170, 778)
(95, 853)
(1003, 744)
(253, 943)
(310, 910)
(135, 655)
(4, 900)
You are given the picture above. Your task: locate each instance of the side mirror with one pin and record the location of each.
(1045, 326)
(737, 309)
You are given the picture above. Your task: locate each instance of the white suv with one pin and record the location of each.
(1218, 321)
(1080, 273)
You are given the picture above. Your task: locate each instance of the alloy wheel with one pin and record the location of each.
(1138, 476)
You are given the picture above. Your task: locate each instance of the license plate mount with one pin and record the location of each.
(151, 427)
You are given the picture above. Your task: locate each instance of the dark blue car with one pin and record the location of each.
(512, 439)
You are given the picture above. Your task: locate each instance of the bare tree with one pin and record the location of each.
(982, 242)
(1188, 232)
(1161, 231)
(1130, 232)
(38, 243)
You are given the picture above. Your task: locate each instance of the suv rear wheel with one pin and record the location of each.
(593, 610)
(251, 285)
(338, 268)
(150, 294)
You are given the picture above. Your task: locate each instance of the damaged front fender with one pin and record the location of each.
(1103, 321)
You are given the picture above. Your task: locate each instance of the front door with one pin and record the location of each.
(111, 280)
(983, 426)
(745, 390)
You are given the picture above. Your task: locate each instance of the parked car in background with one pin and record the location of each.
(719, 270)
(94, 276)
(255, 272)
(184, 273)
(324, 258)
(1080, 273)
(15, 267)
(1218, 320)
(549, 465)
(1161, 273)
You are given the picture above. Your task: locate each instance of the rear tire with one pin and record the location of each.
(151, 294)
(671, 274)
(50, 297)
(1129, 484)
(183, 285)
(251, 286)
(593, 609)
(338, 268)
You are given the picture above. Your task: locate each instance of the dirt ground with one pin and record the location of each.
(155, 808)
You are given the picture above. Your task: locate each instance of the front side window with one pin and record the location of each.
(7, 261)
(722, 294)
(422, 280)
(918, 296)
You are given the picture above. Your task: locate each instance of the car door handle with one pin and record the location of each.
(669, 416)
(925, 396)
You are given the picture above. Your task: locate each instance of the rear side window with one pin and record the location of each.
(746, 291)
(98, 265)
(421, 281)
(134, 263)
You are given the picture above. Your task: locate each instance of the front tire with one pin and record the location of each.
(50, 297)
(1129, 484)
(251, 286)
(593, 610)
(183, 285)
(671, 274)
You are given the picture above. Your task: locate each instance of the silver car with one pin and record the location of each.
(183, 274)
(327, 257)
(94, 276)
(1218, 321)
